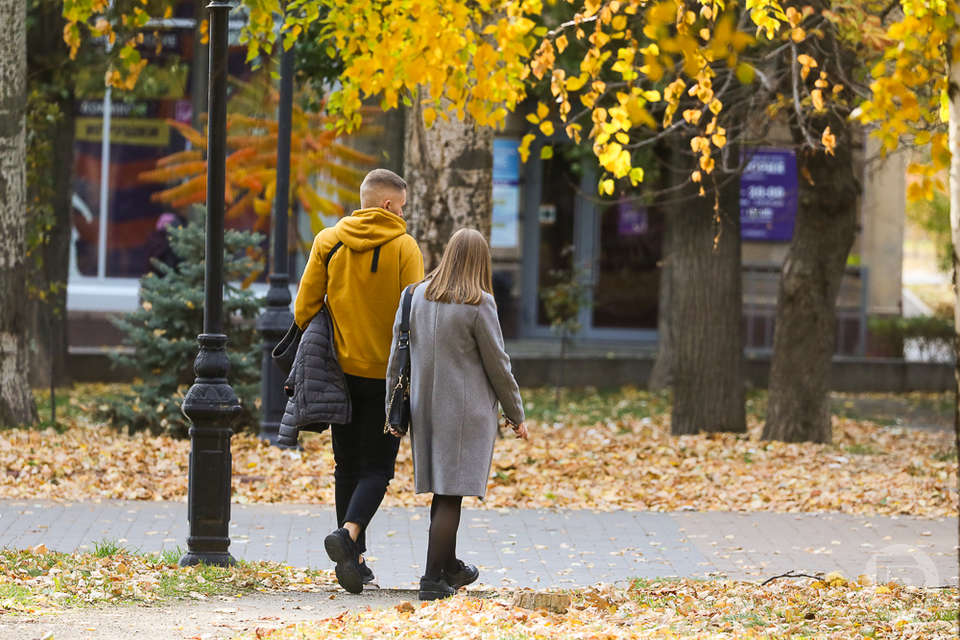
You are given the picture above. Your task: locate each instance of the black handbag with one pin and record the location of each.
(398, 411)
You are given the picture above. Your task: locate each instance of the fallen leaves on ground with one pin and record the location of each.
(38, 579)
(629, 463)
(834, 608)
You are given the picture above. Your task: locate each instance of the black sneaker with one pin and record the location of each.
(366, 574)
(343, 550)
(434, 589)
(464, 575)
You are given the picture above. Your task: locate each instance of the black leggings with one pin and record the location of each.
(442, 546)
(364, 456)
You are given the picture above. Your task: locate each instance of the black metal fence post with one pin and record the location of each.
(211, 404)
(276, 318)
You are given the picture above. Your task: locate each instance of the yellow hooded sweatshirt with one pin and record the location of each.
(363, 284)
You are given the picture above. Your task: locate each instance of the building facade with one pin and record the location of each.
(549, 226)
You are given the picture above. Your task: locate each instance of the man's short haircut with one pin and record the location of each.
(376, 183)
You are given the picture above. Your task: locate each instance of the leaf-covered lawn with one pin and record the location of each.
(37, 579)
(672, 609)
(600, 451)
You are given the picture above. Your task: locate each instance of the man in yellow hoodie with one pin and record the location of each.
(362, 266)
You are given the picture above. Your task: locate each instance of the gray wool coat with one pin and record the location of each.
(458, 372)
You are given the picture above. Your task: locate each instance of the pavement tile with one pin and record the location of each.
(528, 548)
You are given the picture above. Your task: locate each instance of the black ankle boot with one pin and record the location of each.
(431, 589)
(463, 575)
(366, 574)
(343, 550)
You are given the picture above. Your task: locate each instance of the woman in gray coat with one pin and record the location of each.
(458, 372)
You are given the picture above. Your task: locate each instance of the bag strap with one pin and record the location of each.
(403, 341)
(332, 251)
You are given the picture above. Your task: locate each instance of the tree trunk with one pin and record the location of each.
(806, 324)
(661, 376)
(16, 400)
(51, 74)
(953, 90)
(48, 314)
(705, 312)
(449, 173)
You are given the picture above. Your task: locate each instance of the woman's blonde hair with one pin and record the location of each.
(464, 272)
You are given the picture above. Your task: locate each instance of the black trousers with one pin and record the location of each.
(364, 456)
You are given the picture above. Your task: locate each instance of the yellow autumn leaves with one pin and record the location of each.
(632, 59)
(909, 92)
(641, 44)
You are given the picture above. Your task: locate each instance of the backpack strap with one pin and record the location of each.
(332, 251)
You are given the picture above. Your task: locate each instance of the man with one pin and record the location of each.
(362, 266)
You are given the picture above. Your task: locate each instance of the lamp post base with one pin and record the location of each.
(218, 559)
(212, 407)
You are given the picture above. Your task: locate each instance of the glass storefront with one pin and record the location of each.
(114, 237)
(627, 283)
(555, 224)
(612, 246)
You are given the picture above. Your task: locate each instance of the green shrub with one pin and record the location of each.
(931, 333)
(163, 333)
(934, 217)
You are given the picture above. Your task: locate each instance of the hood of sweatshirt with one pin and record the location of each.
(366, 229)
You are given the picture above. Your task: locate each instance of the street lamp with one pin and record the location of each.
(211, 404)
(276, 318)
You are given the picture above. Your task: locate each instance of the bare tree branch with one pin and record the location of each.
(801, 121)
(788, 574)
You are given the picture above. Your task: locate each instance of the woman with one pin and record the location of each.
(458, 372)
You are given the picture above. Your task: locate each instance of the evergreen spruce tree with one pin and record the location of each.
(163, 332)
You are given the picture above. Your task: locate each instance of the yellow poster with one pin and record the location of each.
(144, 132)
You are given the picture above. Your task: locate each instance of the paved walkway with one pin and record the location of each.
(529, 548)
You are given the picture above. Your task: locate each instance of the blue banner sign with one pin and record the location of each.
(505, 231)
(768, 195)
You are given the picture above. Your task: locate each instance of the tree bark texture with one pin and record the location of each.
(705, 311)
(805, 327)
(47, 317)
(661, 376)
(806, 322)
(953, 89)
(51, 72)
(16, 400)
(449, 174)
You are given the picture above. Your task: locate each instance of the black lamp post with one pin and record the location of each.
(276, 318)
(210, 404)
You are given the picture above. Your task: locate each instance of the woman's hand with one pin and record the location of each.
(520, 430)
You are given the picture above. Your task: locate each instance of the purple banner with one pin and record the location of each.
(768, 195)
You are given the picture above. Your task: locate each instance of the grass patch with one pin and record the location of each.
(589, 406)
(170, 556)
(15, 593)
(39, 579)
(859, 449)
(107, 548)
(945, 455)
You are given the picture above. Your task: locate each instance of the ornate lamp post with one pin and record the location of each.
(276, 318)
(211, 404)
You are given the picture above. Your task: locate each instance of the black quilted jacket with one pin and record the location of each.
(316, 387)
